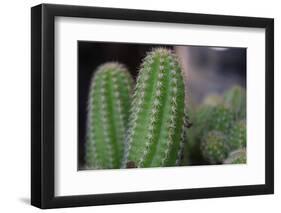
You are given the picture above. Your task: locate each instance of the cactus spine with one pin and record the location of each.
(108, 106)
(156, 126)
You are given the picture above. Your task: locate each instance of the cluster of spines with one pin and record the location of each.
(108, 103)
(157, 113)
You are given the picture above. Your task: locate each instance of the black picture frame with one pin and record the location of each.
(43, 102)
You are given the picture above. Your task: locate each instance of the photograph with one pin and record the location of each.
(136, 105)
(160, 105)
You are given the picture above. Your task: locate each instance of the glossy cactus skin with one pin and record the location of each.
(237, 157)
(237, 135)
(156, 127)
(108, 106)
(214, 147)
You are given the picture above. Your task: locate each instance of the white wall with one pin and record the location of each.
(15, 105)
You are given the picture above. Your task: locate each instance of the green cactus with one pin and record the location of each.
(206, 118)
(203, 118)
(214, 147)
(237, 135)
(212, 118)
(156, 127)
(235, 99)
(237, 157)
(226, 115)
(108, 106)
(221, 119)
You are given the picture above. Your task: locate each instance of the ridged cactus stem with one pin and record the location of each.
(108, 104)
(157, 115)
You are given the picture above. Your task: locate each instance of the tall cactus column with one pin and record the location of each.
(108, 106)
(156, 126)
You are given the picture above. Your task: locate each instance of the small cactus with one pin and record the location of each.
(108, 106)
(235, 99)
(203, 119)
(156, 126)
(213, 118)
(222, 119)
(214, 148)
(225, 115)
(237, 135)
(237, 157)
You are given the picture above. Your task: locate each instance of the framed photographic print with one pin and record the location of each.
(139, 106)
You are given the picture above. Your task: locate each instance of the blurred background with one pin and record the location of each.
(209, 71)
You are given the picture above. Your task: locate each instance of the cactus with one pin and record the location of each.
(225, 115)
(221, 133)
(214, 147)
(212, 118)
(235, 99)
(156, 126)
(108, 106)
(221, 119)
(237, 157)
(204, 118)
(237, 135)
